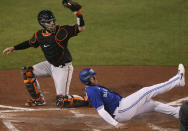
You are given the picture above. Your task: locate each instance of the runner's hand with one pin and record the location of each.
(121, 126)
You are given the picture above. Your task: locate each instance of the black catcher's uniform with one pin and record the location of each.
(53, 40)
(53, 45)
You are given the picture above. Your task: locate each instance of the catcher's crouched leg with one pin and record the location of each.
(183, 117)
(31, 85)
(71, 101)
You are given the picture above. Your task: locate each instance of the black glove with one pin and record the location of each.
(73, 6)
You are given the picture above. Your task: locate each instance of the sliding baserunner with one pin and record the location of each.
(115, 109)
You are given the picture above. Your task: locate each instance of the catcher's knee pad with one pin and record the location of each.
(30, 82)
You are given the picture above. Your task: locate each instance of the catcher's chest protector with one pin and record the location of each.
(54, 46)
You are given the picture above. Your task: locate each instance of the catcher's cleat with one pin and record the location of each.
(35, 102)
(181, 72)
(59, 101)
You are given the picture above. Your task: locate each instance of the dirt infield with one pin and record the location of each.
(122, 79)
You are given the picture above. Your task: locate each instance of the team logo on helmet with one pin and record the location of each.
(91, 70)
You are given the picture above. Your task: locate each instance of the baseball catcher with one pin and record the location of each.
(53, 40)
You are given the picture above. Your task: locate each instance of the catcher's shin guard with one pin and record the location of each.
(30, 82)
(71, 101)
(79, 101)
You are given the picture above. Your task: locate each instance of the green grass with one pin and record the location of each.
(118, 32)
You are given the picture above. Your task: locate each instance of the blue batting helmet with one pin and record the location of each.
(86, 74)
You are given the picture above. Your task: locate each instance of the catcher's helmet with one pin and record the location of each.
(45, 16)
(86, 74)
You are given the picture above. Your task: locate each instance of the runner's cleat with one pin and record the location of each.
(181, 72)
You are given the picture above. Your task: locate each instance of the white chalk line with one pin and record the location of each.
(177, 102)
(79, 115)
(8, 123)
(154, 127)
(96, 130)
(11, 127)
(28, 109)
(12, 109)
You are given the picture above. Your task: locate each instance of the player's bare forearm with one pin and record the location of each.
(81, 28)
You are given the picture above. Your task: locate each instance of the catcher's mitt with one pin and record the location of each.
(73, 6)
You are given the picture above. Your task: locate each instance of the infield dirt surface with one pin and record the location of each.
(122, 79)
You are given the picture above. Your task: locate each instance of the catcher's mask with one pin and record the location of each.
(85, 75)
(46, 16)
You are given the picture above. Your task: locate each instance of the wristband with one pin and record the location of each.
(80, 20)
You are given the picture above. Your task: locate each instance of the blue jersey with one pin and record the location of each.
(99, 96)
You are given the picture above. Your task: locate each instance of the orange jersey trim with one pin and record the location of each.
(46, 34)
(58, 41)
(67, 81)
(78, 13)
(33, 42)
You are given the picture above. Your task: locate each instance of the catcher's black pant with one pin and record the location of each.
(183, 119)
